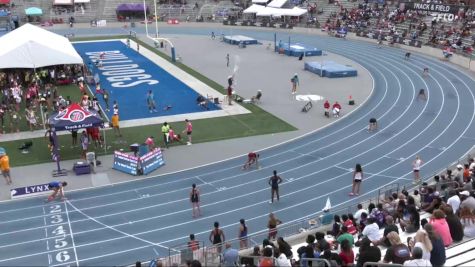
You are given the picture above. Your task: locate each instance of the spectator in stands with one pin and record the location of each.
(455, 226)
(368, 253)
(467, 200)
(441, 227)
(358, 213)
(336, 226)
(378, 214)
(363, 222)
(390, 227)
(345, 236)
(421, 240)
(346, 254)
(417, 259)
(371, 206)
(308, 253)
(454, 200)
(349, 224)
(284, 247)
(310, 241)
(458, 172)
(372, 230)
(437, 255)
(413, 224)
(266, 261)
(266, 243)
(398, 252)
(467, 218)
(230, 256)
(322, 243)
(333, 258)
(281, 259)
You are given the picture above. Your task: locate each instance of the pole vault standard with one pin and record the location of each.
(156, 38)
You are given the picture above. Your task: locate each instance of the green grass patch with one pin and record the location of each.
(257, 122)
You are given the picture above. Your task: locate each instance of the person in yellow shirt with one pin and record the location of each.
(165, 132)
(5, 167)
(115, 124)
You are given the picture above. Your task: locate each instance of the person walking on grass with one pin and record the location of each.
(188, 130)
(416, 167)
(274, 182)
(165, 133)
(195, 201)
(357, 178)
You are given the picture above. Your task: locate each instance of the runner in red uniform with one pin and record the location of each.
(252, 158)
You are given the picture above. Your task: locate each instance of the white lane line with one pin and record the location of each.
(389, 176)
(71, 233)
(304, 145)
(341, 168)
(206, 183)
(465, 130)
(46, 230)
(113, 229)
(308, 163)
(380, 102)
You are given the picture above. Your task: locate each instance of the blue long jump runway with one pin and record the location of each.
(128, 76)
(119, 224)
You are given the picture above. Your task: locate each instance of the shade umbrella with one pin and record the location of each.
(73, 117)
(33, 11)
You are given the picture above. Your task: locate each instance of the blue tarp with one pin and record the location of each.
(3, 13)
(33, 11)
(130, 7)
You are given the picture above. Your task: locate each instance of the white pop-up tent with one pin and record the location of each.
(253, 9)
(33, 47)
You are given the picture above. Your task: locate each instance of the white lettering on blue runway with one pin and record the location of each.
(118, 74)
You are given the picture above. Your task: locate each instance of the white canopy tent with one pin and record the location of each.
(259, 1)
(81, 1)
(33, 47)
(253, 9)
(63, 2)
(277, 3)
(278, 12)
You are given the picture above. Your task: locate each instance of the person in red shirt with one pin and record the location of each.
(266, 261)
(326, 107)
(230, 94)
(347, 255)
(252, 158)
(336, 109)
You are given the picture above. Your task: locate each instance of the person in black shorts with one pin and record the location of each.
(373, 125)
(216, 237)
(407, 56)
(195, 201)
(422, 95)
(274, 182)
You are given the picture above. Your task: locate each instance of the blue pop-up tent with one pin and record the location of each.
(72, 118)
(33, 11)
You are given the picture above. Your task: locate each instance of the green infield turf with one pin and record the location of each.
(258, 122)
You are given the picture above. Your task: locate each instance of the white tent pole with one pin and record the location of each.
(146, 19)
(156, 19)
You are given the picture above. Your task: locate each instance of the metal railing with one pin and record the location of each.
(380, 264)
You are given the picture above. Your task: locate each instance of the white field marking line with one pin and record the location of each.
(46, 230)
(265, 202)
(250, 182)
(115, 203)
(113, 229)
(341, 168)
(156, 252)
(304, 154)
(227, 159)
(71, 233)
(381, 171)
(469, 138)
(389, 176)
(204, 182)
